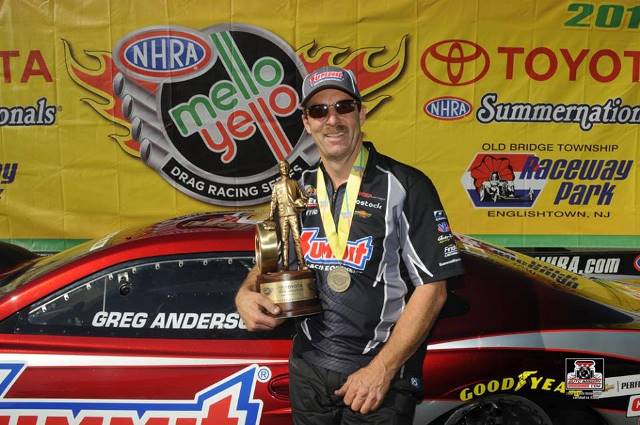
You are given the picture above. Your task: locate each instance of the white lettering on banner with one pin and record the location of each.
(613, 111)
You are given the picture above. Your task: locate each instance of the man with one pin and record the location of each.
(287, 199)
(382, 282)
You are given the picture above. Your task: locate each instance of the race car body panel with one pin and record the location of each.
(140, 328)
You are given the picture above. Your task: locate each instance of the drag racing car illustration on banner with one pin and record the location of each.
(495, 181)
(140, 327)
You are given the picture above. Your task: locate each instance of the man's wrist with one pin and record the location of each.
(388, 369)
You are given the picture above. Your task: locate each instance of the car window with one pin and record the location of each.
(169, 297)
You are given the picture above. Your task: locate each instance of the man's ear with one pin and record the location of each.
(362, 114)
(305, 122)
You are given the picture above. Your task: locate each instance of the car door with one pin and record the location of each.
(154, 341)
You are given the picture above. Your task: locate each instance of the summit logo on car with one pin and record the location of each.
(230, 400)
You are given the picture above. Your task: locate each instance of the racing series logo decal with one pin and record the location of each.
(585, 374)
(231, 398)
(214, 110)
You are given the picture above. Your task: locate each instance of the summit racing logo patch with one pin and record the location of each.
(229, 401)
(516, 180)
(318, 252)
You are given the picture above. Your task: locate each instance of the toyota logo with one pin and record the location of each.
(455, 62)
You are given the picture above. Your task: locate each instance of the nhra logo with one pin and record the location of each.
(160, 53)
(222, 113)
(447, 108)
(636, 263)
(231, 399)
(317, 250)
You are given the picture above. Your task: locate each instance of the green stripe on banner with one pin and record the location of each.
(228, 64)
(45, 245)
(562, 241)
(242, 65)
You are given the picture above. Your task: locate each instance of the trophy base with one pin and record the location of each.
(293, 291)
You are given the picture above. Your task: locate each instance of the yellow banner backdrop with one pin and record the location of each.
(526, 114)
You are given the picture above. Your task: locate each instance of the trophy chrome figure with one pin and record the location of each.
(293, 290)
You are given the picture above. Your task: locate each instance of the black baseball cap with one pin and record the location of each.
(329, 77)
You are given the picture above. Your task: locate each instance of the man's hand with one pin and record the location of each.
(256, 309)
(365, 388)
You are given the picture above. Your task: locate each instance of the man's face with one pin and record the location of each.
(337, 136)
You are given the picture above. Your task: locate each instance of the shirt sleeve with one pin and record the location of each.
(428, 247)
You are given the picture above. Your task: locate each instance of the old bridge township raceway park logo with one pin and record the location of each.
(213, 111)
(228, 401)
(494, 180)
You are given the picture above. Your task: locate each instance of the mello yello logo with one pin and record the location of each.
(222, 112)
(235, 109)
(213, 110)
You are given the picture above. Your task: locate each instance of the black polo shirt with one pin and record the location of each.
(399, 239)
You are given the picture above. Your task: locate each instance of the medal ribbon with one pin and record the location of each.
(339, 236)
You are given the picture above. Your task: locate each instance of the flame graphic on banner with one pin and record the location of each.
(370, 78)
(99, 82)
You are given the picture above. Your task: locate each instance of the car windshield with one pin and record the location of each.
(25, 273)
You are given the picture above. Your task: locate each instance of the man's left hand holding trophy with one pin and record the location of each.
(294, 291)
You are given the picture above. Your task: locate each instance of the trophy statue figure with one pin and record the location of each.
(293, 290)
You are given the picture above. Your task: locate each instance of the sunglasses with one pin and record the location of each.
(322, 110)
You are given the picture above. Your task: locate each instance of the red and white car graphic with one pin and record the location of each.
(140, 328)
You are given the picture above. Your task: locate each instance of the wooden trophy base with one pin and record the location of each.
(293, 291)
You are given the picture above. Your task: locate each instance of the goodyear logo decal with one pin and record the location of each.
(230, 398)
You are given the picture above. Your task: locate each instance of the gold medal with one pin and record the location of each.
(339, 279)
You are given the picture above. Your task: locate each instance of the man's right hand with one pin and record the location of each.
(256, 310)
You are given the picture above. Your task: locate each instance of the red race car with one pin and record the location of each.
(140, 328)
